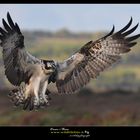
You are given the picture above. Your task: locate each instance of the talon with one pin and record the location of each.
(26, 103)
(31, 105)
(46, 101)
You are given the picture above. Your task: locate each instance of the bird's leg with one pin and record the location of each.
(36, 90)
(44, 88)
(32, 89)
(28, 95)
(27, 91)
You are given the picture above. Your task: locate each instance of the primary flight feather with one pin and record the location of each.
(32, 75)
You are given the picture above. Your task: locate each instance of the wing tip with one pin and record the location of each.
(131, 30)
(132, 38)
(3, 21)
(13, 25)
(111, 32)
(131, 19)
(126, 26)
(113, 28)
(10, 21)
(8, 14)
(130, 45)
(17, 28)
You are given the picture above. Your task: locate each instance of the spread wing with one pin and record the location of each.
(15, 57)
(93, 58)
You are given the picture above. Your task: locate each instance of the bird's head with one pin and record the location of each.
(50, 66)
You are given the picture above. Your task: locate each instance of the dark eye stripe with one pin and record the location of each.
(48, 68)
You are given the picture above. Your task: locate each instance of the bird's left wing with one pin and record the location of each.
(92, 58)
(15, 56)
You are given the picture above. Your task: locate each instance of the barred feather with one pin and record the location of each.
(93, 58)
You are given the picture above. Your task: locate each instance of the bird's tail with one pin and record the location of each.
(17, 96)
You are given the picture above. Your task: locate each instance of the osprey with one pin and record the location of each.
(32, 75)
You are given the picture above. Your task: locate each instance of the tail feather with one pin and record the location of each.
(18, 98)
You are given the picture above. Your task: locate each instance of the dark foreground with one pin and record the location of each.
(84, 108)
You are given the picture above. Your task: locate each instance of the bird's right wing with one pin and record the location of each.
(15, 57)
(93, 58)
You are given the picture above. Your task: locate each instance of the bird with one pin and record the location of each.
(31, 75)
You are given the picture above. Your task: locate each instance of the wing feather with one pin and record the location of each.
(130, 31)
(3, 32)
(6, 26)
(93, 58)
(15, 57)
(126, 27)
